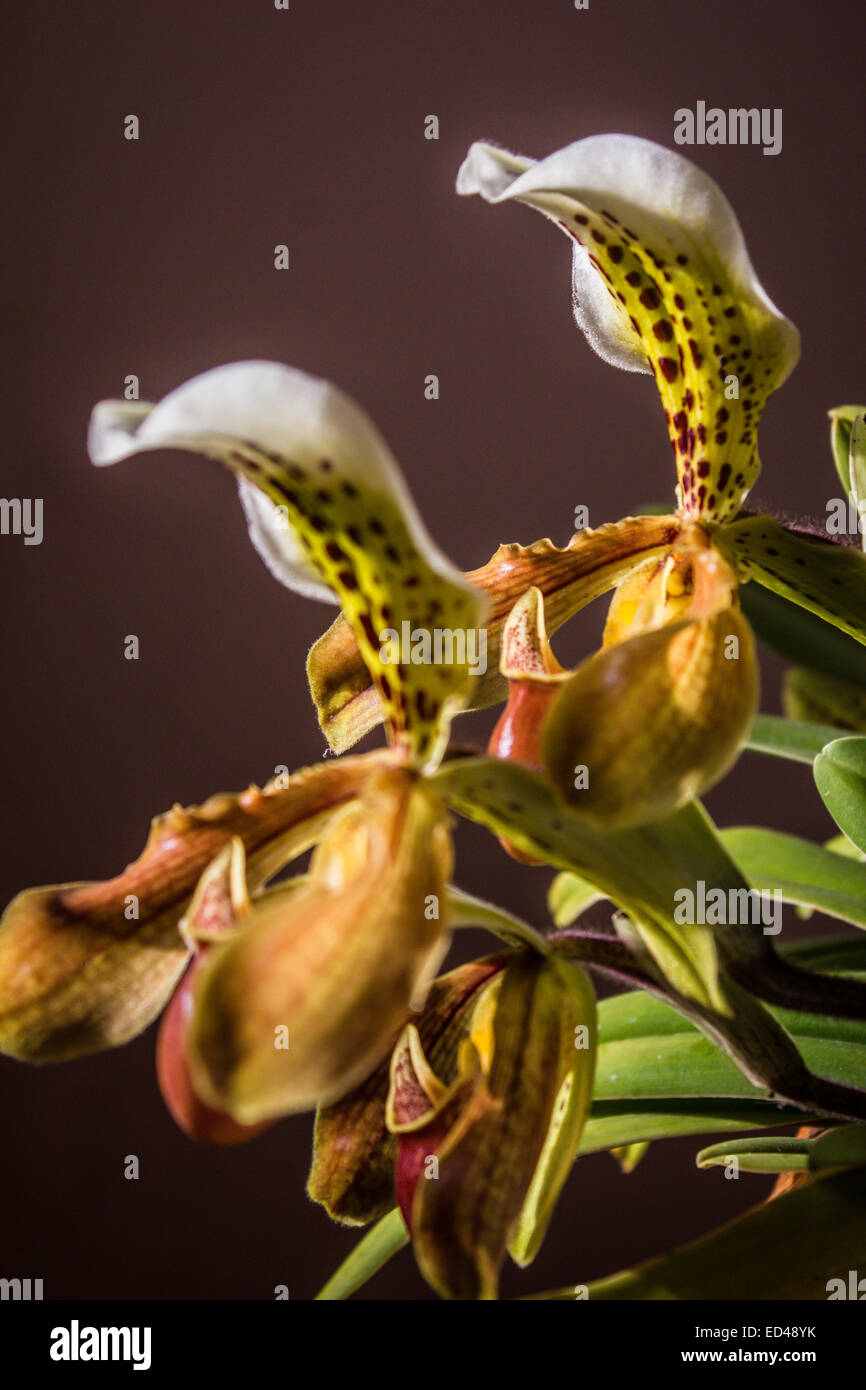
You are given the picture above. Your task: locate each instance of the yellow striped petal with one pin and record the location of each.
(662, 283)
(330, 514)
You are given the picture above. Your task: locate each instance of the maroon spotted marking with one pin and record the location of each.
(669, 368)
(650, 298)
(369, 630)
(663, 330)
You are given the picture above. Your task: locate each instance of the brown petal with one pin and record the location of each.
(79, 971)
(463, 1218)
(334, 970)
(216, 910)
(352, 1173)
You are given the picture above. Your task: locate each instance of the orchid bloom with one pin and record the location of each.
(474, 1125)
(662, 284)
(290, 994)
(318, 991)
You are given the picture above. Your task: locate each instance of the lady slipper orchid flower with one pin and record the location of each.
(662, 284)
(481, 1161)
(291, 994)
(475, 1125)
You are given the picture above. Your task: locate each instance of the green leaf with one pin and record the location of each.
(803, 637)
(816, 697)
(841, 1147)
(465, 910)
(657, 1076)
(373, 1251)
(835, 953)
(777, 1155)
(639, 870)
(841, 421)
(789, 738)
(618, 1124)
(804, 873)
(840, 776)
(570, 895)
(790, 1248)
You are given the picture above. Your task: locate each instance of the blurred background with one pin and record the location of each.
(306, 127)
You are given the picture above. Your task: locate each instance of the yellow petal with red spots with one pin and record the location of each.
(330, 514)
(662, 283)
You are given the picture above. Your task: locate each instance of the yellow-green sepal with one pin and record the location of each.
(579, 1043)
(842, 418)
(826, 579)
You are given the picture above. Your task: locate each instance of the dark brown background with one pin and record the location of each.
(156, 257)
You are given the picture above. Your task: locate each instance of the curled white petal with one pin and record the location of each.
(277, 545)
(668, 201)
(282, 413)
